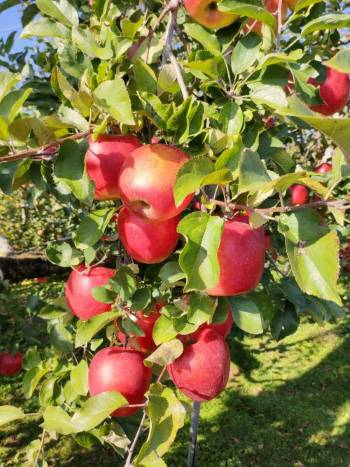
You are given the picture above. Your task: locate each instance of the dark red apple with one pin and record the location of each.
(10, 364)
(79, 287)
(299, 194)
(334, 92)
(241, 257)
(145, 241)
(144, 343)
(104, 159)
(202, 371)
(324, 168)
(147, 180)
(121, 370)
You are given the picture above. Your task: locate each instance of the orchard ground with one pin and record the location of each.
(287, 403)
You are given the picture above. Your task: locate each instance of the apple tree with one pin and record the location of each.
(203, 148)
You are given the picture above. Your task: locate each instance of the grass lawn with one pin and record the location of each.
(287, 403)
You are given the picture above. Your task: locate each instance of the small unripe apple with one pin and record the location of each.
(79, 290)
(121, 370)
(147, 180)
(202, 371)
(206, 13)
(323, 168)
(144, 344)
(241, 257)
(145, 241)
(104, 159)
(299, 194)
(334, 92)
(10, 364)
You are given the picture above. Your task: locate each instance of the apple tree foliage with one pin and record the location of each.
(112, 67)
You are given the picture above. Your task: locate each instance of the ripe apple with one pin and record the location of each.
(299, 195)
(206, 13)
(334, 92)
(78, 290)
(104, 159)
(10, 364)
(147, 181)
(121, 370)
(323, 168)
(145, 241)
(202, 371)
(221, 328)
(144, 343)
(241, 257)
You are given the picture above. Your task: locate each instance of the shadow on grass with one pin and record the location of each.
(304, 422)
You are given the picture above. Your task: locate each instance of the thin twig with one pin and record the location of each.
(40, 448)
(41, 150)
(179, 76)
(133, 445)
(279, 25)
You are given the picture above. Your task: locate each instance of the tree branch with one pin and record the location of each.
(41, 150)
(133, 444)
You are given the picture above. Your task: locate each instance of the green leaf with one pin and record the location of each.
(46, 394)
(56, 419)
(43, 27)
(7, 82)
(246, 315)
(201, 310)
(327, 22)
(278, 58)
(231, 118)
(251, 10)
(31, 380)
(9, 413)
(284, 323)
(167, 416)
(61, 338)
(124, 282)
(340, 61)
(69, 169)
(252, 172)
(84, 39)
(187, 120)
(145, 77)
(272, 96)
(171, 273)
(71, 118)
(72, 95)
(63, 255)
(103, 294)
(12, 103)
(62, 11)
(92, 227)
(190, 176)
(198, 259)
(163, 330)
(165, 354)
(113, 97)
(73, 61)
(313, 253)
(87, 329)
(167, 80)
(96, 409)
(245, 53)
(141, 299)
(207, 40)
(337, 129)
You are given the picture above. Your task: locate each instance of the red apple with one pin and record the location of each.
(121, 370)
(147, 181)
(144, 343)
(221, 328)
(241, 257)
(10, 364)
(299, 195)
(334, 92)
(145, 241)
(104, 159)
(202, 371)
(323, 168)
(79, 287)
(41, 280)
(206, 12)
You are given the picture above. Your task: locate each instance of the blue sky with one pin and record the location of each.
(10, 20)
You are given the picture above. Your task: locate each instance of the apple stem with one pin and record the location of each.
(191, 459)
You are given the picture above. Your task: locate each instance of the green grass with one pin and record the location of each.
(287, 403)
